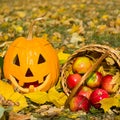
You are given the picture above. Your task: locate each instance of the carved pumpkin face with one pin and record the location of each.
(31, 64)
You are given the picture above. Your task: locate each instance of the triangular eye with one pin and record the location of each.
(16, 60)
(29, 73)
(41, 59)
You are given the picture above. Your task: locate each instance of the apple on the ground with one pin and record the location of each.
(79, 103)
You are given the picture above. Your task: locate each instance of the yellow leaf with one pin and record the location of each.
(105, 17)
(58, 85)
(101, 28)
(45, 36)
(62, 99)
(62, 56)
(57, 98)
(7, 91)
(38, 97)
(17, 97)
(21, 14)
(116, 82)
(74, 28)
(107, 103)
(18, 28)
(117, 21)
(110, 61)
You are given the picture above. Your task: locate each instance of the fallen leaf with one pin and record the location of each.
(20, 98)
(57, 98)
(76, 38)
(2, 110)
(107, 103)
(9, 94)
(62, 56)
(16, 116)
(38, 97)
(110, 61)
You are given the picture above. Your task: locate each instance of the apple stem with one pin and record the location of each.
(85, 76)
(31, 26)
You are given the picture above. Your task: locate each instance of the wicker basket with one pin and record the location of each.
(93, 51)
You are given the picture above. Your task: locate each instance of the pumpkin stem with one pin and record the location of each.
(31, 27)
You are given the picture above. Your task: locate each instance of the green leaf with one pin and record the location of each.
(1, 62)
(2, 110)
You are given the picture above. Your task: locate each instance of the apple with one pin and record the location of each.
(94, 80)
(109, 84)
(81, 65)
(73, 80)
(97, 95)
(79, 103)
(85, 91)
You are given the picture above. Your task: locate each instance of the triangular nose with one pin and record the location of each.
(29, 73)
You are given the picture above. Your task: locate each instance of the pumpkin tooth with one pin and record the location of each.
(31, 88)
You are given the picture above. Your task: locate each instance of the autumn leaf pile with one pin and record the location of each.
(68, 25)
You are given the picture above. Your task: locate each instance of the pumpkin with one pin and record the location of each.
(31, 64)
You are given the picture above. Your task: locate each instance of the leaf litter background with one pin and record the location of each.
(69, 25)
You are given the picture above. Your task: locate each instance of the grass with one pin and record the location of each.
(97, 21)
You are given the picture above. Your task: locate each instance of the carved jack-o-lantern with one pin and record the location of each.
(31, 64)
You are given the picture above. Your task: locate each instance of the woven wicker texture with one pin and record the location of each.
(93, 51)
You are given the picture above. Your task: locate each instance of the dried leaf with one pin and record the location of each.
(15, 116)
(110, 61)
(116, 82)
(21, 14)
(76, 39)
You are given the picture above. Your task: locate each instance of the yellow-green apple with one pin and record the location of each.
(79, 103)
(73, 80)
(97, 95)
(110, 83)
(85, 91)
(81, 64)
(94, 80)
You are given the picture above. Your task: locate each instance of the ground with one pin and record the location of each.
(68, 23)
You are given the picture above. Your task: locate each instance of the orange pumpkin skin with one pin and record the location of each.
(32, 63)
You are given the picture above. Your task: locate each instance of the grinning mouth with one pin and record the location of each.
(35, 83)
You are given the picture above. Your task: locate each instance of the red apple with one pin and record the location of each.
(85, 91)
(94, 80)
(109, 84)
(97, 95)
(72, 80)
(79, 103)
(81, 65)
